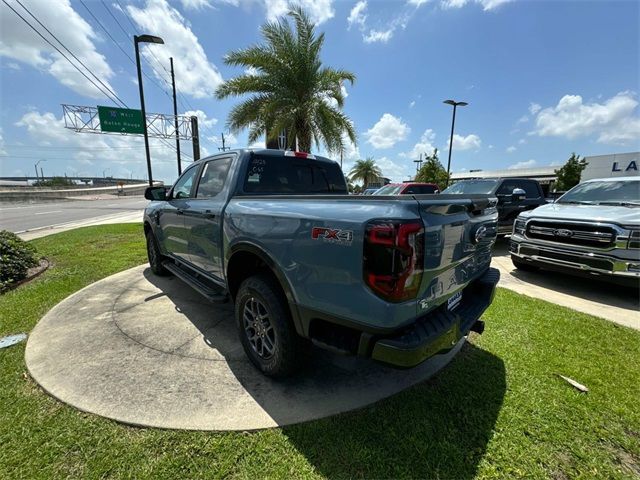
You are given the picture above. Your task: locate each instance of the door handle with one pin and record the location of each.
(179, 211)
(208, 214)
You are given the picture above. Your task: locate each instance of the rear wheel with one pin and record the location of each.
(523, 265)
(154, 256)
(266, 331)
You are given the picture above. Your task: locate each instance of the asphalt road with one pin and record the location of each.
(21, 217)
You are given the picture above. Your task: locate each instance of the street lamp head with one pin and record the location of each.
(147, 39)
(455, 104)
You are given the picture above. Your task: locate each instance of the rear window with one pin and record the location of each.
(389, 190)
(472, 187)
(420, 189)
(287, 175)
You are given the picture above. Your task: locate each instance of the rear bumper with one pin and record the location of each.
(439, 330)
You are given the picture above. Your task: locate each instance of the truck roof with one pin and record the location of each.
(609, 179)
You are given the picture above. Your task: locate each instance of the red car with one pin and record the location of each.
(408, 188)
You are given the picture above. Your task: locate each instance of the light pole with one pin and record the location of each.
(136, 40)
(453, 122)
(36, 167)
(104, 172)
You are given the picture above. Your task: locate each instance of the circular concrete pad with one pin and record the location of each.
(148, 350)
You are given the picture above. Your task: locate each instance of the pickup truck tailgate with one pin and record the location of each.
(459, 232)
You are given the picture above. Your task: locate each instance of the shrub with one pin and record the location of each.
(16, 257)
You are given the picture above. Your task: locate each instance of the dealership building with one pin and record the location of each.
(598, 166)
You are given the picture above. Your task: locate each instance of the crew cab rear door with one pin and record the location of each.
(459, 232)
(203, 217)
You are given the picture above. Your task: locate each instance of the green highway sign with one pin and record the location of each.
(121, 120)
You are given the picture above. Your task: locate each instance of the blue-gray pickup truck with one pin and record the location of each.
(397, 279)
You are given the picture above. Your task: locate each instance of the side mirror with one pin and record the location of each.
(155, 193)
(518, 195)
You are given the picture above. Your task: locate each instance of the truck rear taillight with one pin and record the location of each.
(394, 258)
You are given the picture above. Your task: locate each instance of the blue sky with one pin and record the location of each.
(542, 78)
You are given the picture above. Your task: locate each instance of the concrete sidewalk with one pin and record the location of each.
(150, 351)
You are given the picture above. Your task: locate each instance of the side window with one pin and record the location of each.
(182, 188)
(531, 189)
(410, 190)
(507, 187)
(213, 177)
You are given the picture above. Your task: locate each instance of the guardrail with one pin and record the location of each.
(26, 194)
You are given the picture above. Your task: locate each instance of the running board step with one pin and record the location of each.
(208, 292)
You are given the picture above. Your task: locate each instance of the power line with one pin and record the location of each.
(127, 35)
(70, 52)
(61, 53)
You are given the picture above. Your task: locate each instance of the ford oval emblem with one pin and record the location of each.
(563, 232)
(481, 232)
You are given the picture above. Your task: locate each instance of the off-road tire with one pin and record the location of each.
(522, 265)
(286, 355)
(154, 256)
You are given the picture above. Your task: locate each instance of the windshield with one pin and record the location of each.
(284, 175)
(617, 192)
(389, 190)
(472, 186)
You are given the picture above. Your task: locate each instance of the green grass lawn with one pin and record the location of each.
(498, 410)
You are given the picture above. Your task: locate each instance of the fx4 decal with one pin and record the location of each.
(333, 235)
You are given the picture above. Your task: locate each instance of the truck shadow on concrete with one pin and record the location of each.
(393, 424)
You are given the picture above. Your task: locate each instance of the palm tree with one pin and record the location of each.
(291, 89)
(365, 170)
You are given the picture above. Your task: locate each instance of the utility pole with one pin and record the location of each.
(196, 139)
(418, 163)
(223, 148)
(175, 113)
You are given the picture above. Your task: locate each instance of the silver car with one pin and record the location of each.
(593, 230)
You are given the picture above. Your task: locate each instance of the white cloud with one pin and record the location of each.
(412, 104)
(424, 147)
(470, 142)
(524, 164)
(382, 36)
(486, 4)
(388, 131)
(19, 42)
(195, 4)
(522, 119)
(396, 171)
(2, 150)
(251, 70)
(357, 16)
(534, 108)
(198, 77)
(511, 149)
(318, 10)
(614, 121)
(203, 119)
(522, 141)
(490, 147)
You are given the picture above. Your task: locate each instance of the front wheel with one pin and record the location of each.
(522, 265)
(154, 256)
(266, 331)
